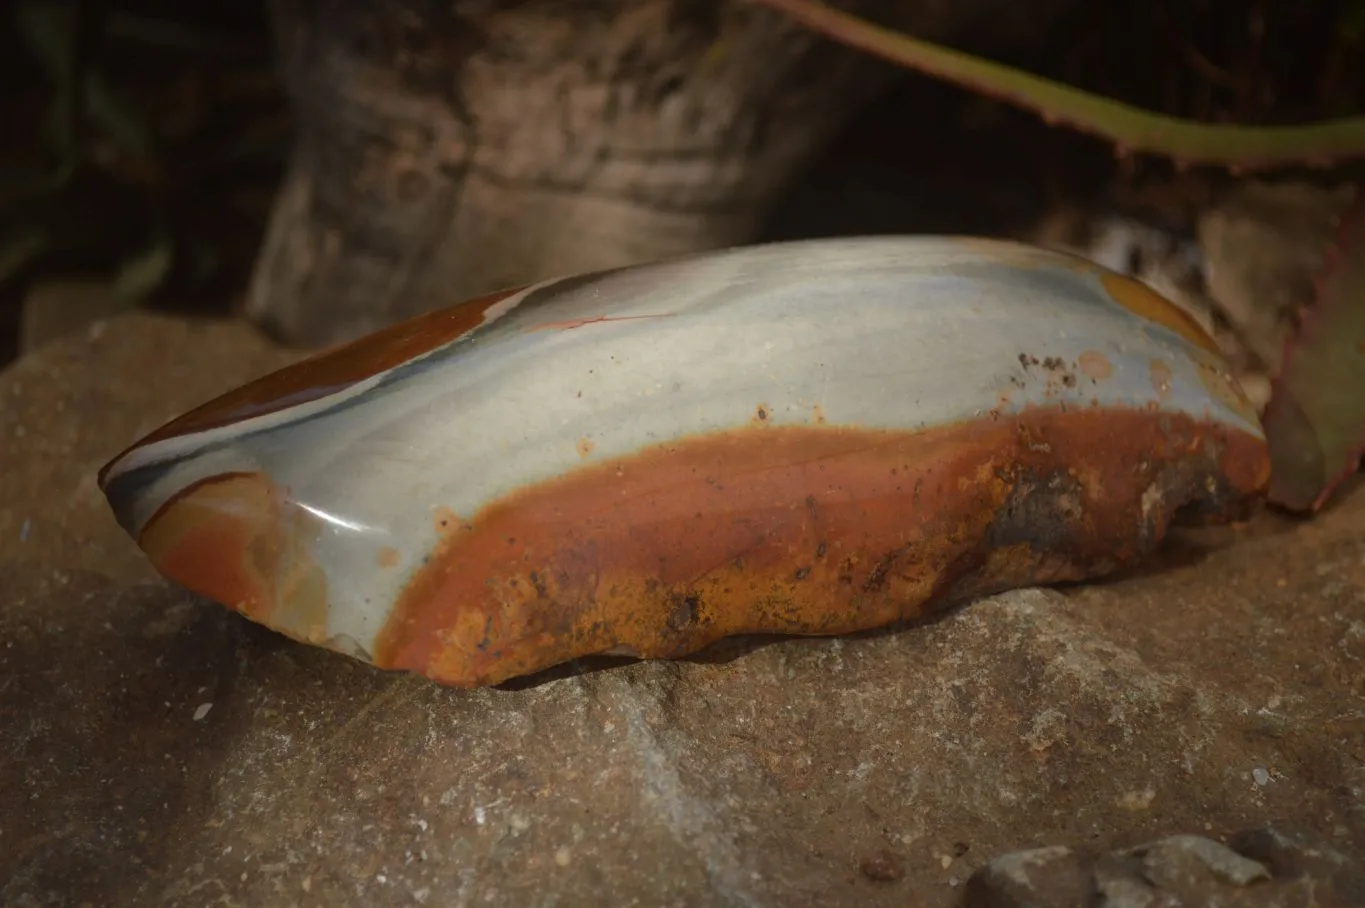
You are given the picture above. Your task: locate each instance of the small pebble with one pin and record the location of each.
(562, 857)
(1260, 776)
(202, 711)
(883, 867)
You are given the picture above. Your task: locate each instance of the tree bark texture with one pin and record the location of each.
(448, 148)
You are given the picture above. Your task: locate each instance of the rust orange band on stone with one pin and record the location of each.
(802, 530)
(237, 538)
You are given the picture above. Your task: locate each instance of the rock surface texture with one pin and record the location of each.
(157, 749)
(1258, 868)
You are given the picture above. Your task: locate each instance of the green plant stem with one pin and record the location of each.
(1131, 129)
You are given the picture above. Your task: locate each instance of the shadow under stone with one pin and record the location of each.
(109, 748)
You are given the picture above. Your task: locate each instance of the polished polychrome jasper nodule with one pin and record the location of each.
(814, 437)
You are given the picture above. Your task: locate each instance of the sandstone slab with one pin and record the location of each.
(156, 749)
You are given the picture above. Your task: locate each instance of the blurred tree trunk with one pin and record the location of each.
(447, 148)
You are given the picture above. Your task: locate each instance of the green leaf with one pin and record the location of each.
(1131, 129)
(1315, 422)
(18, 250)
(142, 275)
(121, 121)
(50, 30)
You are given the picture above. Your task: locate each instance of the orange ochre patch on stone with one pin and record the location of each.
(235, 538)
(1143, 301)
(328, 371)
(1095, 365)
(803, 530)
